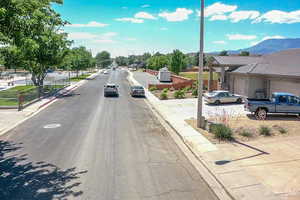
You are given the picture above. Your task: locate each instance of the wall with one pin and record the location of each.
(179, 82)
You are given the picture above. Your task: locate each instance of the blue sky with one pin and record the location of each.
(125, 27)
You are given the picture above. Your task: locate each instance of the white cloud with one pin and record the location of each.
(218, 17)
(219, 42)
(90, 24)
(98, 38)
(241, 37)
(180, 14)
(81, 36)
(218, 9)
(164, 29)
(131, 39)
(267, 38)
(132, 20)
(145, 6)
(109, 34)
(105, 41)
(144, 15)
(279, 17)
(243, 15)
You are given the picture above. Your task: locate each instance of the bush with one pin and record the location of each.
(152, 89)
(163, 95)
(221, 131)
(280, 129)
(165, 90)
(179, 94)
(265, 131)
(195, 92)
(246, 133)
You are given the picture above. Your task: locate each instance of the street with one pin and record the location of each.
(89, 147)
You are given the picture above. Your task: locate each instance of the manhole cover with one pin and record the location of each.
(52, 126)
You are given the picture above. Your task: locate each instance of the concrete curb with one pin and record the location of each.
(216, 186)
(45, 105)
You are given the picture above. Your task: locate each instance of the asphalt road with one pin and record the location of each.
(86, 146)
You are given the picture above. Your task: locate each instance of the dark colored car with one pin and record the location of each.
(285, 103)
(111, 90)
(137, 91)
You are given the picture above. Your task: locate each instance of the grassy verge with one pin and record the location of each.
(10, 97)
(194, 75)
(79, 78)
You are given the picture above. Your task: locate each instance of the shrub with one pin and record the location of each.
(265, 131)
(165, 90)
(163, 95)
(280, 129)
(246, 133)
(221, 131)
(179, 94)
(152, 89)
(195, 92)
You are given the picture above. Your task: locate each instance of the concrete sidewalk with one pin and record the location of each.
(237, 181)
(10, 118)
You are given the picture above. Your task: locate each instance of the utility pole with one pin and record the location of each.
(200, 118)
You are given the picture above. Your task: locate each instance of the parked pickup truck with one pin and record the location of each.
(279, 103)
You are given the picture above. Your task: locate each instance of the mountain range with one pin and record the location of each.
(270, 46)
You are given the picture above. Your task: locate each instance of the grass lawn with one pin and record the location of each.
(194, 75)
(79, 78)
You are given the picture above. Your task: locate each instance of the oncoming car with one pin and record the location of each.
(111, 90)
(219, 96)
(137, 91)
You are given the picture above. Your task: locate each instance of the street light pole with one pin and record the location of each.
(200, 118)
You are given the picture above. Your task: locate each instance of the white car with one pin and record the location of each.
(221, 96)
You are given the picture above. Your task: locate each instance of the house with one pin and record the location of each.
(277, 72)
(223, 65)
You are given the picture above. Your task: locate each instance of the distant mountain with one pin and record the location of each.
(271, 46)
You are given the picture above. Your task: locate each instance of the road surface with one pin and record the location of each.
(89, 147)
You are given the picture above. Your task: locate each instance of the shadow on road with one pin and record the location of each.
(22, 179)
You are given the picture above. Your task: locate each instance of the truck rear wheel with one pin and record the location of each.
(261, 114)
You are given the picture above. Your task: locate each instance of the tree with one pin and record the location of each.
(223, 53)
(158, 62)
(31, 30)
(79, 58)
(177, 61)
(245, 53)
(121, 61)
(103, 59)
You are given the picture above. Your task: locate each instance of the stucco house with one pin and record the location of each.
(223, 65)
(277, 72)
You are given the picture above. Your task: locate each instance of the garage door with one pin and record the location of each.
(240, 86)
(285, 86)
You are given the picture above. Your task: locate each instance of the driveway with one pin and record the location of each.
(187, 108)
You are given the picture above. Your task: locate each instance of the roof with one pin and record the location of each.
(283, 94)
(283, 63)
(236, 60)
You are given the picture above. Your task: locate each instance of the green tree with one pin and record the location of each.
(223, 53)
(122, 61)
(158, 62)
(177, 61)
(245, 53)
(103, 59)
(79, 58)
(31, 30)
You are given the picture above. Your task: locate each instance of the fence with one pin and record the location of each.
(22, 96)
